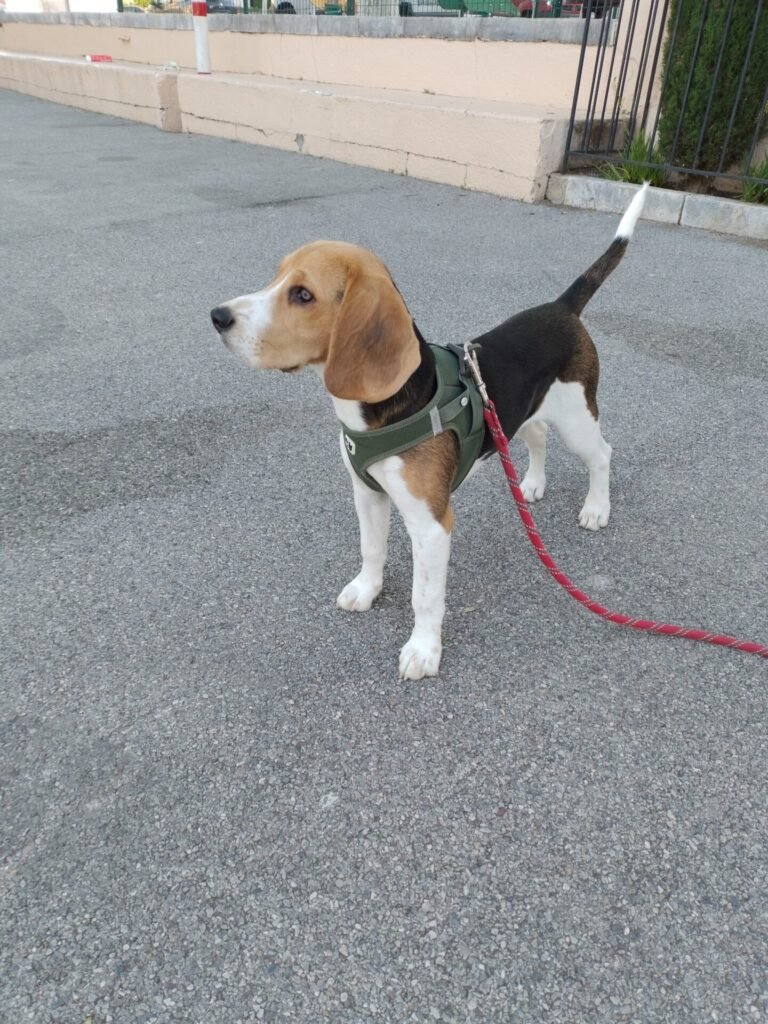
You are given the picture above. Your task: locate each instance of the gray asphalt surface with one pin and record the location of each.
(219, 805)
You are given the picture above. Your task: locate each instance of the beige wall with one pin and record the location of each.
(499, 148)
(139, 94)
(539, 73)
(515, 72)
(487, 114)
(153, 46)
(503, 148)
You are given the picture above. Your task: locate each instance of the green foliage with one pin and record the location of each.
(629, 168)
(677, 61)
(482, 7)
(755, 192)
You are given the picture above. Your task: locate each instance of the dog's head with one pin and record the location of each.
(331, 305)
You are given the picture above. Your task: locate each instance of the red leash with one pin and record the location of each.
(502, 445)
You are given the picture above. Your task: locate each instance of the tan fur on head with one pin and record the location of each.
(355, 322)
(373, 349)
(295, 334)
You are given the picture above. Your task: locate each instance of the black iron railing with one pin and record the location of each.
(679, 87)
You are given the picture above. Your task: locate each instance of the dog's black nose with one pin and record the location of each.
(222, 318)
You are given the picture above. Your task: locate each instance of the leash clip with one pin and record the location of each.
(470, 359)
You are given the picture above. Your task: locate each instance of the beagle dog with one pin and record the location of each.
(334, 307)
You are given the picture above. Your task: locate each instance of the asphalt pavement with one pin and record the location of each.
(219, 804)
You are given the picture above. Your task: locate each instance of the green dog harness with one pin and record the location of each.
(456, 406)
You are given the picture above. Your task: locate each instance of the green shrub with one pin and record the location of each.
(677, 62)
(755, 191)
(638, 151)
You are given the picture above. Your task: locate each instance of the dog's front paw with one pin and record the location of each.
(420, 658)
(359, 595)
(533, 487)
(594, 515)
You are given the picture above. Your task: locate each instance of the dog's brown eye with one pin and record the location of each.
(301, 295)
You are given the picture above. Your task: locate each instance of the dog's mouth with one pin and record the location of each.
(243, 352)
(246, 354)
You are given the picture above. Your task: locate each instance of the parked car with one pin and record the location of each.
(525, 7)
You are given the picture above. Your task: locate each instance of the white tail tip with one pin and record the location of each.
(632, 215)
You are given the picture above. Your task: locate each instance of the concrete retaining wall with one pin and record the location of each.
(500, 148)
(505, 148)
(139, 94)
(480, 103)
(505, 60)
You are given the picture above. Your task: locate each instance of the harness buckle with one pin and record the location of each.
(470, 360)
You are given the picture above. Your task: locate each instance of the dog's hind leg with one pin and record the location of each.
(567, 409)
(533, 484)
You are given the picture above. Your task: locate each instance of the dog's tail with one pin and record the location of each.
(584, 287)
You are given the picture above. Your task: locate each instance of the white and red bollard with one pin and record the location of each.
(200, 23)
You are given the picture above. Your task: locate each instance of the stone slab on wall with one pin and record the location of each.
(137, 94)
(501, 148)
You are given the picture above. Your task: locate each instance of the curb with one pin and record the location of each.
(726, 216)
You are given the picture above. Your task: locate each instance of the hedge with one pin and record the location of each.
(677, 63)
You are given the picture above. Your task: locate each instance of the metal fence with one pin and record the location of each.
(388, 8)
(677, 89)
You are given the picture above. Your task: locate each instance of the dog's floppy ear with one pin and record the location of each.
(373, 349)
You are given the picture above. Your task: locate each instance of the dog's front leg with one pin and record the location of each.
(372, 509)
(431, 544)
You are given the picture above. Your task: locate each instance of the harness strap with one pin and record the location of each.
(456, 406)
